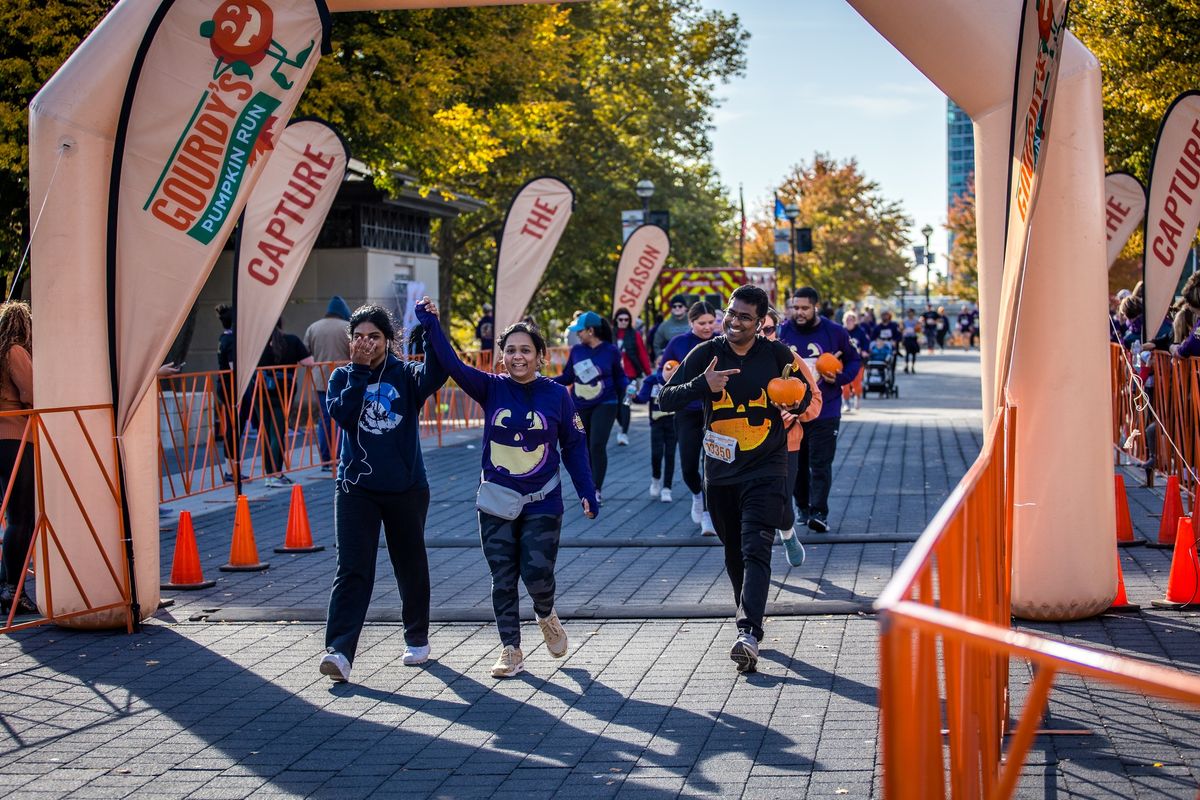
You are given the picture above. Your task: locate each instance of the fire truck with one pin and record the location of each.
(714, 285)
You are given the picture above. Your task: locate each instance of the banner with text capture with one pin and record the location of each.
(284, 214)
(535, 222)
(1124, 208)
(642, 259)
(1173, 209)
(1039, 54)
(212, 86)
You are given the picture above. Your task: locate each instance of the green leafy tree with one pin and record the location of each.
(859, 237)
(38, 37)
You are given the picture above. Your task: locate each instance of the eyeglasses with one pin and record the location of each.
(746, 319)
(768, 329)
(622, 319)
(678, 305)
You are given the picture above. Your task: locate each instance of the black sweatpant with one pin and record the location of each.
(689, 430)
(662, 448)
(357, 514)
(525, 547)
(624, 417)
(598, 424)
(814, 476)
(21, 510)
(789, 513)
(746, 516)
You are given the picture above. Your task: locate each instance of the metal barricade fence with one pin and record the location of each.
(946, 644)
(50, 447)
(280, 425)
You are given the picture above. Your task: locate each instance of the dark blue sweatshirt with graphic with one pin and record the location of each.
(825, 337)
(526, 426)
(595, 375)
(677, 350)
(377, 410)
(648, 393)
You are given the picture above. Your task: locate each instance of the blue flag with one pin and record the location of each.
(779, 212)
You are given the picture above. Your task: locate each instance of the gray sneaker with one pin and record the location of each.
(745, 652)
(793, 548)
(336, 666)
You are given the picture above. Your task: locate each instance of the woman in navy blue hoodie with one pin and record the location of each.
(597, 379)
(528, 419)
(376, 400)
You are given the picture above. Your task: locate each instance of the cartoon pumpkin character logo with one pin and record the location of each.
(749, 436)
(241, 36)
(510, 440)
(589, 391)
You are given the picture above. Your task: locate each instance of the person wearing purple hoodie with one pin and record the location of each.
(809, 335)
(529, 420)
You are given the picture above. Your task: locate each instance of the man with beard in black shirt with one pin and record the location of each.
(746, 452)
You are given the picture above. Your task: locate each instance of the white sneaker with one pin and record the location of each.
(623, 439)
(335, 665)
(655, 486)
(414, 655)
(271, 482)
(665, 495)
(697, 507)
(510, 662)
(706, 525)
(554, 634)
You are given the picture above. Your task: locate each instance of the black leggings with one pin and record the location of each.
(598, 424)
(357, 514)
(624, 415)
(662, 449)
(21, 512)
(689, 430)
(912, 346)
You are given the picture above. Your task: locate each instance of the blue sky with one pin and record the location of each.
(819, 78)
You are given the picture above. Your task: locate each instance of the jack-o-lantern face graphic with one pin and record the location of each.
(511, 440)
(735, 422)
(589, 391)
(240, 31)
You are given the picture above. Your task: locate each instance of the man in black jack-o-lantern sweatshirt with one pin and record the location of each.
(745, 447)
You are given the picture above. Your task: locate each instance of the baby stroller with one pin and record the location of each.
(880, 373)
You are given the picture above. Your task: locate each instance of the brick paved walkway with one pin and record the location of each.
(645, 705)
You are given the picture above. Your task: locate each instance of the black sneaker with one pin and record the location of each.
(284, 479)
(744, 652)
(818, 522)
(25, 603)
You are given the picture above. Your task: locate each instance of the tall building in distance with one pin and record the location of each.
(960, 157)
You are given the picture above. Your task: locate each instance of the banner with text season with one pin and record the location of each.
(283, 216)
(1039, 55)
(212, 87)
(1173, 209)
(642, 259)
(535, 222)
(1124, 208)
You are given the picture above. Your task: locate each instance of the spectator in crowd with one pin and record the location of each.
(282, 350)
(229, 429)
(636, 363)
(911, 328)
(1187, 320)
(16, 393)
(485, 329)
(672, 326)
(328, 341)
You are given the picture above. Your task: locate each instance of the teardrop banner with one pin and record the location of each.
(642, 259)
(1039, 55)
(1173, 210)
(1124, 208)
(279, 227)
(534, 223)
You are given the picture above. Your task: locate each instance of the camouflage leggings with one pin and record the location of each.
(526, 547)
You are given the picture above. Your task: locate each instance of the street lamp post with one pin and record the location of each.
(792, 211)
(645, 190)
(927, 231)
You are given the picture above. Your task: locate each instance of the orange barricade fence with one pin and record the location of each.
(49, 449)
(280, 423)
(946, 644)
(1156, 413)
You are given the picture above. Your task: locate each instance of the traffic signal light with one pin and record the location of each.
(804, 240)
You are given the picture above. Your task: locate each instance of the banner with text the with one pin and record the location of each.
(1124, 208)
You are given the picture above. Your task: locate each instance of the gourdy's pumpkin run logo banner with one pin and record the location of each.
(212, 85)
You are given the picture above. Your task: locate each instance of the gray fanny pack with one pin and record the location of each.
(500, 501)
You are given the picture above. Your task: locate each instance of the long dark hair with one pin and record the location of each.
(378, 316)
(16, 330)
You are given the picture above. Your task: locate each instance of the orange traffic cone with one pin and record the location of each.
(298, 538)
(1121, 601)
(1183, 584)
(243, 552)
(1172, 511)
(186, 572)
(1125, 537)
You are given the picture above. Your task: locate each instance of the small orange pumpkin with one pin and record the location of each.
(786, 391)
(672, 364)
(828, 364)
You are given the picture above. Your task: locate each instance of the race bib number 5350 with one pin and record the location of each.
(722, 448)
